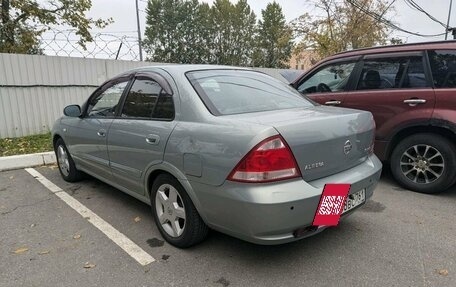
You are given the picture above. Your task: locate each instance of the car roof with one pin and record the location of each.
(436, 45)
(184, 68)
(181, 69)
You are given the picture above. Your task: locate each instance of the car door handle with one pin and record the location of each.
(101, 133)
(414, 102)
(152, 139)
(333, 103)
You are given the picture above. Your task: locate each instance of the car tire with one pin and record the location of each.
(424, 163)
(65, 162)
(170, 202)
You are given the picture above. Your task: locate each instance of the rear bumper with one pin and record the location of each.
(270, 213)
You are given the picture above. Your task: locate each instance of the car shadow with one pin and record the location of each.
(324, 248)
(320, 248)
(388, 178)
(248, 252)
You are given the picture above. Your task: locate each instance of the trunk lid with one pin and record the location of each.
(324, 140)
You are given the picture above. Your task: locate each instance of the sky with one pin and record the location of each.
(124, 15)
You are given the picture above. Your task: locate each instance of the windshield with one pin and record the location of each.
(227, 92)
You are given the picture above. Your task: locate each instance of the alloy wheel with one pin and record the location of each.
(64, 163)
(422, 164)
(170, 210)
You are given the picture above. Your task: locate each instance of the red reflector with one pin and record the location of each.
(270, 160)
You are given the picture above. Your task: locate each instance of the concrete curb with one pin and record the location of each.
(26, 160)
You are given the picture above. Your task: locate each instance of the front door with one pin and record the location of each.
(328, 84)
(88, 135)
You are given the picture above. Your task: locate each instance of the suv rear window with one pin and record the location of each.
(443, 66)
(227, 92)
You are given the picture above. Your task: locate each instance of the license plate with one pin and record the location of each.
(354, 200)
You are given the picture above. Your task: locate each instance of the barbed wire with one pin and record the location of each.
(115, 45)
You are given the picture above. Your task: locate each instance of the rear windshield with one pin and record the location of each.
(227, 92)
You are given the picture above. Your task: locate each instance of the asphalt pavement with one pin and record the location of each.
(398, 238)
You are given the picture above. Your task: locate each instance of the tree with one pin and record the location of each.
(205, 32)
(233, 33)
(23, 21)
(274, 39)
(186, 31)
(340, 26)
(176, 31)
(396, 41)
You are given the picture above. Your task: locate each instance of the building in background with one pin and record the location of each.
(303, 59)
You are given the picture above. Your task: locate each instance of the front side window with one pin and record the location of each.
(105, 104)
(332, 78)
(227, 92)
(392, 73)
(443, 66)
(146, 99)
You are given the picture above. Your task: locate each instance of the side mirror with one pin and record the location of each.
(73, 111)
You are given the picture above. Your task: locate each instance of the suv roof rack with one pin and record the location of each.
(399, 45)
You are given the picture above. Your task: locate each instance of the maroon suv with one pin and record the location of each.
(411, 91)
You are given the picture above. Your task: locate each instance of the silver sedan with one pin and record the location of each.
(218, 147)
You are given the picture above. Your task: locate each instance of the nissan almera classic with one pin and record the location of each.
(217, 147)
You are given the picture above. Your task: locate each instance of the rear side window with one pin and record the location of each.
(414, 75)
(227, 92)
(146, 99)
(443, 66)
(392, 73)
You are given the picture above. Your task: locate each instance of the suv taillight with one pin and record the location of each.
(270, 160)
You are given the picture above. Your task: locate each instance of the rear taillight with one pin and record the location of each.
(270, 160)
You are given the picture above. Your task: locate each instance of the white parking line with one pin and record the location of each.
(116, 236)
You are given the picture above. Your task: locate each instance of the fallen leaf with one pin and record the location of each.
(11, 177)
(137, 219)
(443, 272)
(77, 236)
(88, 265)
(32, 225)
(44, 252)
(21, 250)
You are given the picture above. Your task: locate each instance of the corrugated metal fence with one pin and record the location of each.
(35, 89)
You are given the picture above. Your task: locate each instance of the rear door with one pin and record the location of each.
(328, 84)
(137, 137)
(396, 88)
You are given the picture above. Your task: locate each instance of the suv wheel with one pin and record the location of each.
(424, 163)
(174, 213)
